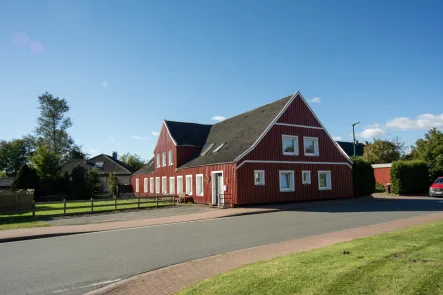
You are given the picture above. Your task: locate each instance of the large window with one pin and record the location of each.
(189, 184)
(158, 160)
(137, 185)
(310, 145)
(164, 159)
(259, 177)
(306, 177)
(199, 184)
(164, 185)
(290, 145)
(179, 184)
(157, 185)
(145, 185)
(151, 185)
(286, 181)
(170, 158)
(324, 180)
(172, 185)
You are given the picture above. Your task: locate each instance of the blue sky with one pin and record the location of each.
(124, 66)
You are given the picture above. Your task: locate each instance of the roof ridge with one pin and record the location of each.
(187, 122)
(117, 162)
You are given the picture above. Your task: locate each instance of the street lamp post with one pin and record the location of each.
(353, 134)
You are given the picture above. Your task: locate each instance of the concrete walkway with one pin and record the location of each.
(172, 279)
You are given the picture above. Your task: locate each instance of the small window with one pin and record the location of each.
(137, 185)
(219, 147)
(98, 165)
(179, 184)
(157, 185)
(164, 159)
(290, 145)
(286, 181)
(158, 160)
(310, 146)
(164, 185)
(189, 184)
(145, 185)
(170, 158)
(259, 177)
(306, 177)
(207, 149)
(171, 185)
(199, 184)
(324, 180)
(151, 185)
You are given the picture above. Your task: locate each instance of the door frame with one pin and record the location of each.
(213, 180)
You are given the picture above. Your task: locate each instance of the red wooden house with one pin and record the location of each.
(279, 152)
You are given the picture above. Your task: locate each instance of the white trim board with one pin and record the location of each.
(387, 165)
(293, 162)
(302, 126)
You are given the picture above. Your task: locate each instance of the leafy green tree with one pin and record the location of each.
(430, 150)
(13, 155)
(383, 151)
(113, 183)
(134, 161)
(78, 183)
(75, 152)
(3, 174)
(26, 178)
(48, 168)
(92, 182)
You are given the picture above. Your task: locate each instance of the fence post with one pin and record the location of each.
(33, 208)
(92, 205)
(156, 201)
(115, 206)
(138, 202)
(64, 206)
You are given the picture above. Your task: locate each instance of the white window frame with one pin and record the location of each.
(291, 179)
(186, 186)
(164, 185)
(316, 150)
(151, 185)
(295, 138)
(145, 185)
(170, 158)
(158, 161)
(180, 189)
(172, 185)
(137, 185)
(157, 185)
(196, 184)
(164, 159)
(303, 178)
(328, 180)
(262, 182)
(219, 147)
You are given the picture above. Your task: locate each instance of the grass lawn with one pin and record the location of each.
(14, 223)
(404, 262)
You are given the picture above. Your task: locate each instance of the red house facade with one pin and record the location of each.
(279, 152)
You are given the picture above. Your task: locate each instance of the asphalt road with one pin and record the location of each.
(80, 263)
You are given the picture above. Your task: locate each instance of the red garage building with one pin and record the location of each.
(279, 152)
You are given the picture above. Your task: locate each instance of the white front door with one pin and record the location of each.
(217, 187)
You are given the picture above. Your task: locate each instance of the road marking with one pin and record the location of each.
(87, 286)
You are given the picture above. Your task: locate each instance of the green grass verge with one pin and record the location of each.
(14, 223)
(404, 262)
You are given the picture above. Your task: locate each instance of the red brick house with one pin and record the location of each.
(279, 152)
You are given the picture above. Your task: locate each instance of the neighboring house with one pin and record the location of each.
(279, 152)
(382, 173)
(6, 183)
(348, 148)
(104, 165)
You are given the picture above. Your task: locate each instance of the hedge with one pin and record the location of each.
(363, 177)
(409, 177)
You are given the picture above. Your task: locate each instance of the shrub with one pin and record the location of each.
(379, 188)
(409, 177)
(26, 178)
(113, 183)
(78, 185)
(363, 177)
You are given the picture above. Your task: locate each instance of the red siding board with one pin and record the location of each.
(299, 114)
(382, 175)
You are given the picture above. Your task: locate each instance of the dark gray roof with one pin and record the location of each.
(184, 133)
(239, 133)
(6, 182)
(110, 165)
(148, 168)
(348, 148)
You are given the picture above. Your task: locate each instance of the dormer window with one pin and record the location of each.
(207, 149)
(219, 147)
(98, 165)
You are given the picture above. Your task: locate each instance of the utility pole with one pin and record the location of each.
(353, 134)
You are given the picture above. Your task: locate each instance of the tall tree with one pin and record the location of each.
(48, 168)
(13, 155)
(75, 152)
(383, 151)
(430, 149)
(132, 160)
(53, 124)
(26, 178)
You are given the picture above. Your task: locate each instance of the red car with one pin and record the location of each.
(436, 189)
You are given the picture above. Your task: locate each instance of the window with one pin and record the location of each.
(290, 145)
(259, 177)
(199, 184)
(219, 147)
(151, 185)
(137, 185)
(286, 181)
(306, 177)
(158, 160)
(207, 149)
(170, 158)
(324, 180)
(171, 185)
(179, 184)
(189, 184)
(164, 187)
(145, 185)
(157, 185)
(311, 146)
(164, 159)
(98, 165)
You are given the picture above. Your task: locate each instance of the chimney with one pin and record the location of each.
(114, 155)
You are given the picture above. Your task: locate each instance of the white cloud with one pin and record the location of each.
(104, 84)
(139, 137)
(93, 151)
(111, 138)
(315, 99)
(421, 122)
(155, 133)
(218, 118)
(336, 138)
(372, 132)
